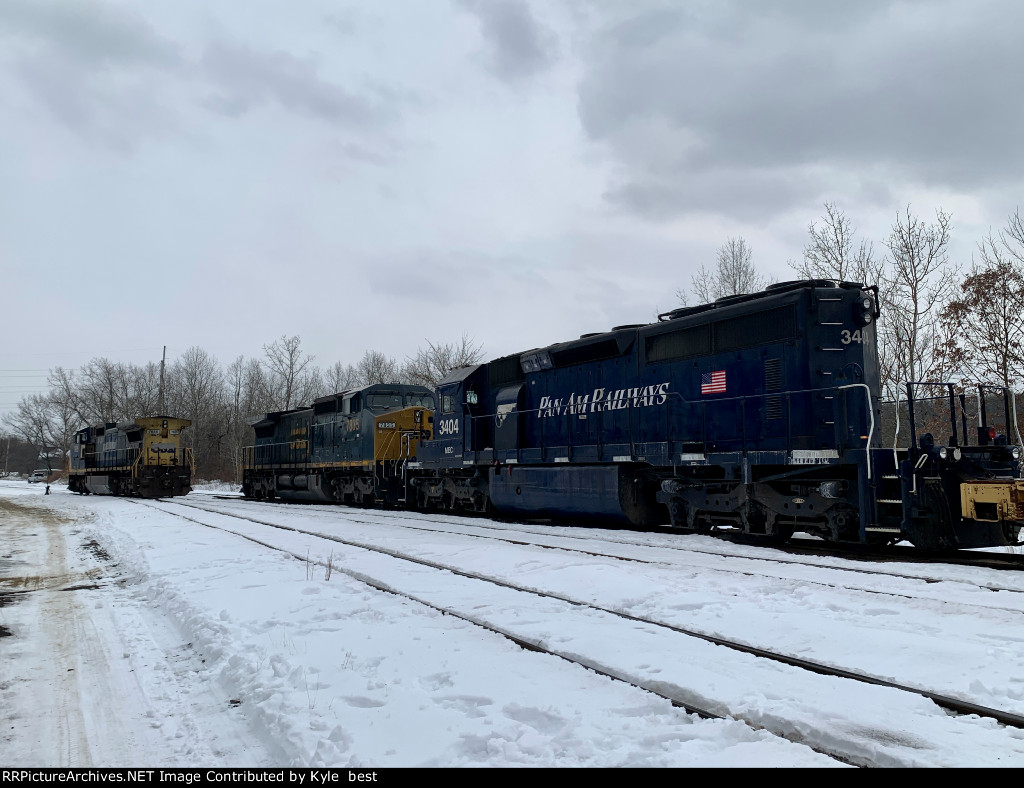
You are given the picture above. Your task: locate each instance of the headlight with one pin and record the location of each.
(956, 455)
(941, 451)
(864, 312)
(1016, 452)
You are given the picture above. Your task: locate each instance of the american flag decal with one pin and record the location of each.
(713, 382)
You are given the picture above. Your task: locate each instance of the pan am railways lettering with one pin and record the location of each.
(597, 401)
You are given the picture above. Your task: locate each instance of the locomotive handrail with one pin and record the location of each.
(549, 435)
(263, 449)
(1007, 396)
(1013, 410)
(117, 458)
(896, 435)
(871, 415)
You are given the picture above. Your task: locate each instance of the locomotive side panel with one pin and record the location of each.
(721, 396)
(340, 449)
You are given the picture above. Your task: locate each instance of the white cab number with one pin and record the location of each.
(448, 427)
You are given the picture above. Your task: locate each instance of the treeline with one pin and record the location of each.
(220, 401)
(940, 319)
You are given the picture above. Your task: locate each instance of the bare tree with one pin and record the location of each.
(375, 367)
(339, 377)
(141, 390)
(432, 364)
(922, 281)
(286, 362)
(734, 273)
(1012, 238)
(64, 389)
(98, 390)
(45, 425)
(197, 392)
(833, 251)
(247, 396)
(107, 391)
(311, 385)
(197, 384)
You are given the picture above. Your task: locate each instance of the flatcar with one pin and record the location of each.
(757, 413)
(350, 447)
(145, 458)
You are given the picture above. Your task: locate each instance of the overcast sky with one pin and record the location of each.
(372, 175)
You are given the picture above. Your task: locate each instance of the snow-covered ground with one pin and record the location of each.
(217, 632)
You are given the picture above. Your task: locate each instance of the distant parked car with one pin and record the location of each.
(39, 475)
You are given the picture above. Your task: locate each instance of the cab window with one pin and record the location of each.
(384, 401)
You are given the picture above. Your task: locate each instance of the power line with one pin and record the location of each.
(90, 353)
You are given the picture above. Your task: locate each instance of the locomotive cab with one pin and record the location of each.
(459, 426)
(463, 437)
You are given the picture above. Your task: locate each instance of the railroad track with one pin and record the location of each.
(681, 699)
(1010, 561)
(543, 536)
(1013, 561)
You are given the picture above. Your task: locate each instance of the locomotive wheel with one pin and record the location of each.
(481, 503)
(782, 534)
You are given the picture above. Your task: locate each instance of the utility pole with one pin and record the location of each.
(163, 362)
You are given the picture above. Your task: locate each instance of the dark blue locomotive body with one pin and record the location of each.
(758, 412)
(339, 449)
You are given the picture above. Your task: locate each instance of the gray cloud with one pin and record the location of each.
(90, 32)
(246, 79)
(108, 75)
(517, 45)
(761, 96)
(96, 68)
(115, 114)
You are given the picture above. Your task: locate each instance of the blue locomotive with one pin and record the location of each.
(758, 413)
(351, 447)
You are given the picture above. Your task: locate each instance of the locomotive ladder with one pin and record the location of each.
(885, 489)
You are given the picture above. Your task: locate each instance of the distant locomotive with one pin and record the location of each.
(144, 458)
(758, 412)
